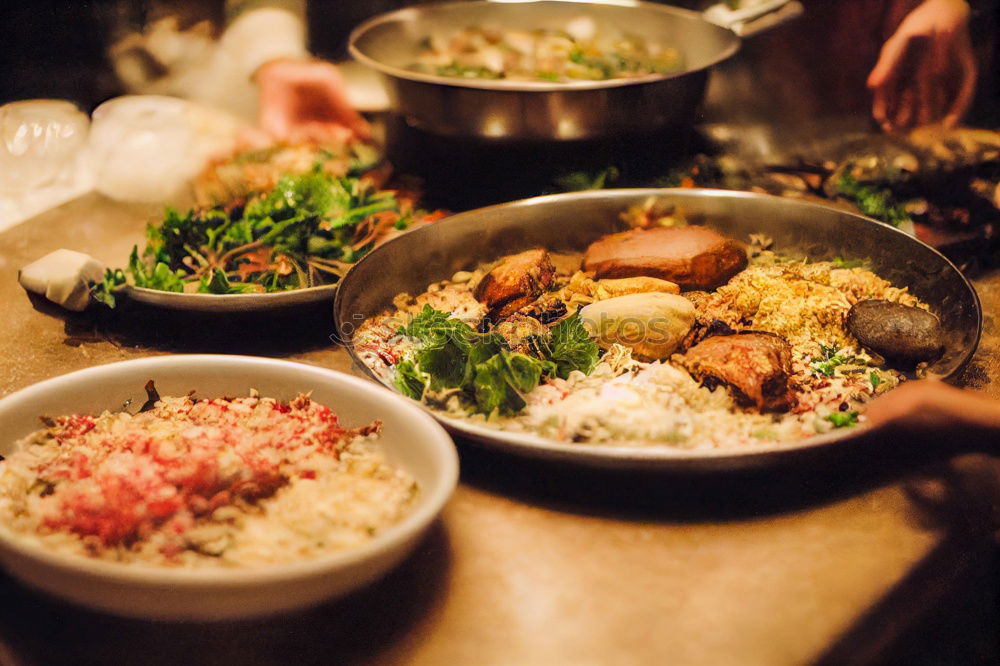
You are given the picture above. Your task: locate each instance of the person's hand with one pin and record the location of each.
(920, 405)
(305, 100)
(931, 408)
(926, 71)
(965, 491)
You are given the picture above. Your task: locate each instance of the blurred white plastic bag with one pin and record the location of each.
(42, 157)
(149, 147)
(164, 59)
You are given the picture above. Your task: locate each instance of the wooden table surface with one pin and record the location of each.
(529, 564)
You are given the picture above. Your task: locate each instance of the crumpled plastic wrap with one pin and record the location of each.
(149, 147)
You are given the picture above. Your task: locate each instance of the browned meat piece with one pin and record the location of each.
(754, 366)
(705, 328)
(515, 282)
(693, 257)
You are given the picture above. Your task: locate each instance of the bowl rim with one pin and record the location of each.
(415, 522)
(412, 14)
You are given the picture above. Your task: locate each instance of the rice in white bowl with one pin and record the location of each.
(203, 483)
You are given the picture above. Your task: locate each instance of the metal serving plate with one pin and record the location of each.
(539, 110)
(231, 303)
(570, 222)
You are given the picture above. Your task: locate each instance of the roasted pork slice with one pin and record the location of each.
(693, 257)
(754, 366)
(515, 282)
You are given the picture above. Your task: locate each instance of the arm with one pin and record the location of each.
(260, 31)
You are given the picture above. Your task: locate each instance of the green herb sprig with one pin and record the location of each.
(843, 419)
(829, 360)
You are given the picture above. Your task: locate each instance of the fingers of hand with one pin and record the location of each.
(889, 60)
(906, 110)
(274, 117)
(933, 81)
(967, 88)
(931, 73)
(888, 79)
(913, 402)
(298, 97)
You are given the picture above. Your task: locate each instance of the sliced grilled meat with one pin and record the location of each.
(754, 366)
(693, 257)
(515, 282)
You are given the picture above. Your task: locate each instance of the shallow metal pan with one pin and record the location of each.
(569, 222)
(538, 110)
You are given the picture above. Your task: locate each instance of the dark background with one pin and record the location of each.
(58, 49)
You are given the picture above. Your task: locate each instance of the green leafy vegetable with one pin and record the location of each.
(489, 376)
(576, 181)
(219, 284)
(159, 276)
(837, 262)
(501, 380)
(843, 419)
(571, 348)
(829, 361)
(304, 231)
(104, 291)
(410, 381)
(524, 372)
(875, 379)
(873, 201)
(491, 389)
(467, 72)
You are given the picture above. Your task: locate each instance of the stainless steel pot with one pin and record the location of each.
(538, 110)
(570, 222)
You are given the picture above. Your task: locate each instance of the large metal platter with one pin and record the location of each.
(569, 222)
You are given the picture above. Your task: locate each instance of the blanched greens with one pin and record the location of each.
(874, 201)
(304, 232)
(481, 368)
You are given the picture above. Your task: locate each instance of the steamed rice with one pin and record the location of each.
(196, 483)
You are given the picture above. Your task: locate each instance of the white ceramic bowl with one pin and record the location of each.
(411, 439)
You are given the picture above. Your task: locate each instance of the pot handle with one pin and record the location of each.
(758, 17)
